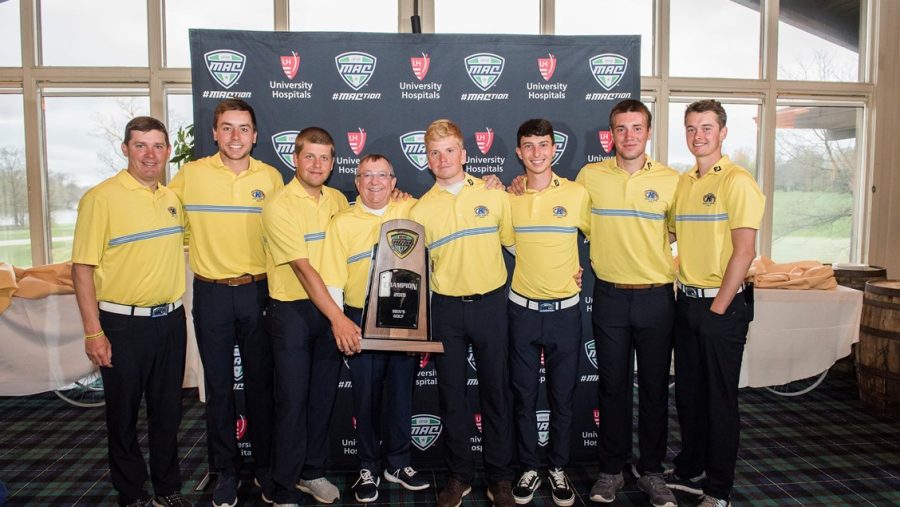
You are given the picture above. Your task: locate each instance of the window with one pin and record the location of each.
(740, 143)
(105, 33)
(10, 35)
(818, 42)
(496, 16)
(344, 16)
(84, 137)
(179, 115)
(631, 18)
(15, 237)
(714, 38)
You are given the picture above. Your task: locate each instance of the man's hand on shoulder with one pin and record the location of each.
(517, 187)
(492, 182)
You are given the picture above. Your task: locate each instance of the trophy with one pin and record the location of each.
(396, 313)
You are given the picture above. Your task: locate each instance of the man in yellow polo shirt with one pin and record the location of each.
(223, 196)
(718, 209)
(633, 308)
(304, 322)
(544, 310)
(465, 226)
(128, 271)
(346, 261)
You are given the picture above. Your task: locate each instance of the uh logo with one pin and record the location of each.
(426, 428)
(355, 68)
(225, 66)
(484, 69)
(484, 140)
(357, 141)
(413, 146)
(290, 64)
(420, 65)
(547, 66)
(608, 69)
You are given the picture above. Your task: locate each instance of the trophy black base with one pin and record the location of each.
(400, 345)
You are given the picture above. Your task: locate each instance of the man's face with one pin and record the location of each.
(446, 158)
(536, 153)
(704, 135)
(314, 163)
(375, 182)
(147, 154)
(630, 135)
(235, 134)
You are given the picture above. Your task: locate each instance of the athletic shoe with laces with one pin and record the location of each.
(408, 478)
(655, 487)
(366, 487)
(605, 487)
(523, 491)
(693, 485)
(225, 492)
(561, 488)
(709, 501)
(171, 500)
(453, 493)
(321, 489)
(500, 493)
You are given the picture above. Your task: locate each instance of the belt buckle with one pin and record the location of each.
(234, 282)
(469, 299)
(546, 307)
(159, 311)
(690, 292)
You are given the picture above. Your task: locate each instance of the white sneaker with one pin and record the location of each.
(321, 489)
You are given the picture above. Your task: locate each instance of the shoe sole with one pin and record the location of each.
(522, 500)
(686, 489)
(390, 478)
(366, 500)
(317, 498)
(226, 504)
(564, 503)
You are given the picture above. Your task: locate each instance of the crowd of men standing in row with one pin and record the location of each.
(281, 270)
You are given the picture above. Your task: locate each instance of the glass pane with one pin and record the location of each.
(714, 38)
(179, 115)
(84, 137)
(818, 41)
(223, 14)
(15, 237)
(574, 17)
(740, 143)
(816, 176)
(496, 16)
(10, 35)
(344, 16)
(96, 33)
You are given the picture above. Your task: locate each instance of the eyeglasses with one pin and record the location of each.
(375, 176)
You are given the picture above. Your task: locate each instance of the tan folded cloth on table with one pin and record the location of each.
(767, 274)
(34, 283)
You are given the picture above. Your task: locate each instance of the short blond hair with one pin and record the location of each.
(442, 129)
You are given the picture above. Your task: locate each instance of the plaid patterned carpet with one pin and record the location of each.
(820, 448)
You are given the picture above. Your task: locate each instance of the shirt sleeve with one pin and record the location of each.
(284, 236)
(584, 224)
(91, 231)
(507, 233)
(745, 202)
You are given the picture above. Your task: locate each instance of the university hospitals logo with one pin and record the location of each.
(478, 424)
(484, 140)
(290, 64)
(413, 146)
(608, 69)
(484, 69)
(590, 350)
(355, 68)
(425, 430)
(420, 65)
(240, 427)
(606, 140)
(283, 142)
(357, 141)
(225, 66)
(561, 140)
(547, 66)
(543, 427)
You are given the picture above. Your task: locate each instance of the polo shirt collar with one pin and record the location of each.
(555, 182)
(717, 168)
(217, 162)
(131, 183)
(297, 188)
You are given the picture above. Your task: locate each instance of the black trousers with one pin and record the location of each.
(558, 334)
(307, 369)
(224, 316)
(372, 372)
(148, 361)
(481, 323)
(708, 353)
(628, 322)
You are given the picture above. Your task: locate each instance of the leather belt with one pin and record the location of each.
(701, 292)
(545, 306)
(140, 311)
(475, 297)
(638, 286)
(233, 282)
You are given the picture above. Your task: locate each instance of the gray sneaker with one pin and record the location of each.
(320, 489)
(655, 487)
(709, 501)
(604, 489)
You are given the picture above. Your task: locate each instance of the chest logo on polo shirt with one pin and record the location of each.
(651, 195)
(172, 211)
(559, 211)
(402, 241)
(481, 211)
(257, 195)
(709, 199)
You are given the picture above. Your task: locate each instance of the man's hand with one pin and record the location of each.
(347, 335)
(399, 195)
(99, 351)
(492, 182)
(517, 187)
(577, 276)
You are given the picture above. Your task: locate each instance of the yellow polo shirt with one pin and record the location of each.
(546, 225)
(294, 226)
(629, 236)
(464, 234)
(349, 241)
(706, 210)
(223, 211)
(135, 238)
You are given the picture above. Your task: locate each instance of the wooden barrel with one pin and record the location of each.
(878, 351)
(857, 278)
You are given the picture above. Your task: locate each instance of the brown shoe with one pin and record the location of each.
(453, 492)
(500, 493)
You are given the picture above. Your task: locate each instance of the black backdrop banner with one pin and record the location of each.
(377, 93)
